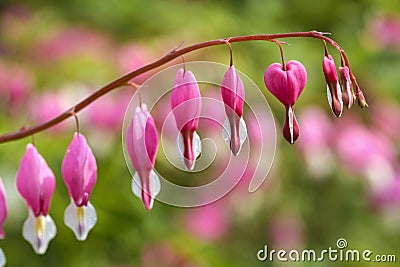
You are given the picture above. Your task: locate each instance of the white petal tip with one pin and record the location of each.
(154, 185)
(226, 134)
(196, 146)
(3, 260)
(39, 231)
(80, 219)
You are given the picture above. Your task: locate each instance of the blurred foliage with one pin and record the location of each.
(318, 211)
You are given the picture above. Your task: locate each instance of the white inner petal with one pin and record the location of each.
(137, 186)
(242, 131)
(226, 131)
(2, 258)
(290, 117)
(196, 146)
(339, 92)
(155, 186)
(80, 219)
(328, 94)
(39, 232)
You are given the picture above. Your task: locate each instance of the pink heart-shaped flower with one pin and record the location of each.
(286, 84)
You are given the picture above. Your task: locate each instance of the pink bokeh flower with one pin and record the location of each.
(385, 31)
(209, 222)
(316, 140)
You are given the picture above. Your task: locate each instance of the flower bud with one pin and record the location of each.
(186, 107)
(232, 91)
(333, 89)
(142, 145)
(346, 85)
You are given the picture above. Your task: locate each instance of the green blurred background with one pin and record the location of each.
(62, 50)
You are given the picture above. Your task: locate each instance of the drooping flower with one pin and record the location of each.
(186, 107)
(346, 85)
(79, 172)
(3, 216)
(232, 91)
(3, 209)
(36, 182)
(142, 144)
(286, 84)
(334, 93)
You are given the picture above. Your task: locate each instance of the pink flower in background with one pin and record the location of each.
(108, 113)
(186, 107)
(165, 255)
(69, 42)
(36, 182)
(209, 222)
(316, 140)
(368, 152)
(358, 146)
(132, 56)
(385, 31)
(16, 83)
(388, 195)
(286, 231)
(79, 171)
(232, 90)
(386, 118)
(286, 84)
(51, 105)
(142, 145)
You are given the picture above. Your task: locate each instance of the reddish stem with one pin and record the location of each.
(123, 80)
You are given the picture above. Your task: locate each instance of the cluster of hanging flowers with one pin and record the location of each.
(35, 181)
(142, 136)
(287, 81)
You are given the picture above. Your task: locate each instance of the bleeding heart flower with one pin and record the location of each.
(142, 144)
(286, 83)
(3, 216)
(232, 91)
(186, 107)
(333, 89)
(79, 171)
(346, 85)
(35, 183)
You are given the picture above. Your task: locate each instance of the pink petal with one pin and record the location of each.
(286, 85)
(3, 209)
(35, 181)
(79, 170)
(186, 101)
(232, 90)
(142, 140)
